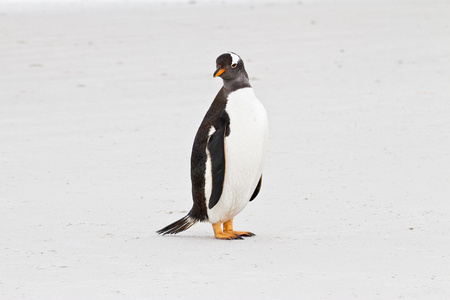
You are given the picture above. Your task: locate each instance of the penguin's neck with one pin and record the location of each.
(234, 84)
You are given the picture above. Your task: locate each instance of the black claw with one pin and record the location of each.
(248, 234)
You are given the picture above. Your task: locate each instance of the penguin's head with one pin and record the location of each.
(229, 66)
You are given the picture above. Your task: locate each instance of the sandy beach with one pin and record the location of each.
(99, 105)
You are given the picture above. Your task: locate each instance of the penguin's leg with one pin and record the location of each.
(219, 234)
(228, 228)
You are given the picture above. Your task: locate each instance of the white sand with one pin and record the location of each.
(99, 105)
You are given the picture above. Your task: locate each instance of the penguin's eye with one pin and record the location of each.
(234, 66)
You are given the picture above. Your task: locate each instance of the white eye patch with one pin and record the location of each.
(234, 59)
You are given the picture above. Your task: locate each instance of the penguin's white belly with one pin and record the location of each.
(245, 154)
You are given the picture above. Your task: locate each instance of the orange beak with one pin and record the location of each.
(219, 72)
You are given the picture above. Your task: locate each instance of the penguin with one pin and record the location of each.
(228, 154)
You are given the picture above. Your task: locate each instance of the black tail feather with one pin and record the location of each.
(178, 226)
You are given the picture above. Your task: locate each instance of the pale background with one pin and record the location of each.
(99, 105)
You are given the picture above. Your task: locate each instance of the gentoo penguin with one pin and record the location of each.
(228, 153)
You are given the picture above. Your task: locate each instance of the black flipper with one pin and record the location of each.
(258, 187)
(216, 147)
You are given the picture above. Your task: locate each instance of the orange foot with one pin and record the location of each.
(241, 233)
(228, 233)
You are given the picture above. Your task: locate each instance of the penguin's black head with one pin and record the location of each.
(229, 66)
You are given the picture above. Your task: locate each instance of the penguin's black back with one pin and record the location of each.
(216, 116)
